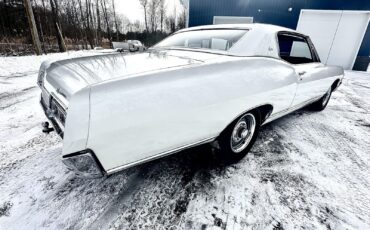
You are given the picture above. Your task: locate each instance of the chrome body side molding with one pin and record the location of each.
(290, 110)
(160, 155)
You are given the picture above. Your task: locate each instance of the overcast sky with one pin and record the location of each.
(133, 10)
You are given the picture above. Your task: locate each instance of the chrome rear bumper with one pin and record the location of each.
(57, 127)
(84, 164)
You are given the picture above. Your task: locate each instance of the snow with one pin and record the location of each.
(306, 170)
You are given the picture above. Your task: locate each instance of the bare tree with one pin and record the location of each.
(98, 30)
(87, 16)
(137, 26)
(33, 28)
(144, 4)
(153, 10)
(74, 21)
(47, 28)
(93, 21)
(162, 13)
(2, 20)
(86, 22)
(171, 23)
(106, 18)
(82, 23)
(115, 20)
(58, 30)
(182, 19)
(89, 22)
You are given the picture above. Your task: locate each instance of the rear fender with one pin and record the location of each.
(77, 123)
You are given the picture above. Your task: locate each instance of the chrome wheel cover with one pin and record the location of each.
(243, 133)
(325, 100)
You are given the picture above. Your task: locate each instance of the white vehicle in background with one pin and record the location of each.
(210, 84)
(129, 45)
(135, 45)
(98, 48)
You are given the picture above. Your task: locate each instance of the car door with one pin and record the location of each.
(298, 50)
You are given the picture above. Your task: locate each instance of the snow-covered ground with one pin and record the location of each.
(307, 170)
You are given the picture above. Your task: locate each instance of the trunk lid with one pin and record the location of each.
(69, 76)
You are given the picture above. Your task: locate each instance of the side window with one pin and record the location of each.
(294, 49)
(313, 50)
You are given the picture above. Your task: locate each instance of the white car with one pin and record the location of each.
(211, 84)
(135, 45)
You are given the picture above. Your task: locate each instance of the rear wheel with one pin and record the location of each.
(323, 102)
(236, 140)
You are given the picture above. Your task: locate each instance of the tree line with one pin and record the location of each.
(87, 23)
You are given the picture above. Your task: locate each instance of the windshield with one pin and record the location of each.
(221, 39)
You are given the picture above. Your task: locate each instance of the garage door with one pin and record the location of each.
(231, 20)
(337, 35)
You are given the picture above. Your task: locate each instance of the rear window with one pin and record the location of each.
(222, 39)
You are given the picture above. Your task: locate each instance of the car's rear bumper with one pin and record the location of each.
(84, 164)
(56, 124)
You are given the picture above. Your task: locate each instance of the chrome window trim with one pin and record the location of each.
(316, 58)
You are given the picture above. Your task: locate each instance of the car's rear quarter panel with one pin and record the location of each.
(77, 123)
(335, 73)
(139, 117)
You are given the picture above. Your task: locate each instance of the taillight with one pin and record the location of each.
(40, 78)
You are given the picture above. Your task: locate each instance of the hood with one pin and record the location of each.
(70, 75)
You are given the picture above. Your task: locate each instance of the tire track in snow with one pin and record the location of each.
(19, 75)
(11, 99)
(166, 191)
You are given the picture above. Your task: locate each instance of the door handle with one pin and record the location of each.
(302, 73)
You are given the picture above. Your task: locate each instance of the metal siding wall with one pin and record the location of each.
(363, 59)
(276, 12)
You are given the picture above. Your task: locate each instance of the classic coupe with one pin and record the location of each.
(210, 84)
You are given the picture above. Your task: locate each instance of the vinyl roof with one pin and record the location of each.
(259, 41)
